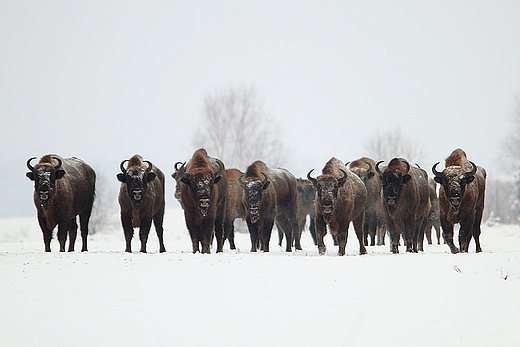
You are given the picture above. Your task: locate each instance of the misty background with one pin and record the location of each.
(105, 80)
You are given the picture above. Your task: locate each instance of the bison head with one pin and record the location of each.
(253, 189)
(327, 188)
(176, 175)
(364, 173)
(136, 179)
(393, 179)
(201, 183)
(44, 176)
(454, 180)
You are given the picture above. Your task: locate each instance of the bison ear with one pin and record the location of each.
(59, 174)
(438, 179)
(406, 178)
(370, 175)
(300, 189)
(151, 176)
(121, 177)
(217, 179)
(30, 175)
(185, 180)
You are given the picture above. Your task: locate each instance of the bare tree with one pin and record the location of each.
(392, 144)
(511, 142)
(236, 129)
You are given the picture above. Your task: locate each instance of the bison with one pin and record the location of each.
(461, 199)
(305, 207)
(434, 215)
(203, 195)
(141, 199)
(63, 189)
(340, 198)
(234, 204)
(364, 169)
(269, 196)
(406, 202)
(176, 175)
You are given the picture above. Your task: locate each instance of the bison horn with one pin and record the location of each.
(370, 167)
(342, 179)
(346, 165)
(241, 180)
(176, 166)
(29, 163)
(265, 178)
(122, 166)
(149, 168)
(313, 180)
(434, 170)
(59, 162)
(407, 167)
(473, 170)
(220, 168)
(377, 168)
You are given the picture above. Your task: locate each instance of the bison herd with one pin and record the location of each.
(397, 198)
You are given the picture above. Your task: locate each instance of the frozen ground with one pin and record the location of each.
(107, 297)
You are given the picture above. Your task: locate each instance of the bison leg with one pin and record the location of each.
(62, 234)
(73, 232)
(144, 231)
(341, 236)
(47, 233)
(265, 234)
(219, 230)
(476, 230)
(312, 229)
(253, 234)
(229, 232)
(128, 230)
(206, 234)
(84, 218)
(420, 235)
(359, 229)
(465, 234)
(428, 231)
(283, 223)
(158, 224)
(321, 231)
(447, 234)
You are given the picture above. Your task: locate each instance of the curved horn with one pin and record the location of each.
(434, 170)
(264, 181)
(241, 180)
(176, 165)
(370, 167)
(473, 170)
(122, 166)
(220, 168)
(29, 166)
(346, 165)
(377, 168)
(407, 167)
(149, 168)
(313, 180)
(59, 162)
(342, 179)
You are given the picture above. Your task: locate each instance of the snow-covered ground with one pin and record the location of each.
(107, 297)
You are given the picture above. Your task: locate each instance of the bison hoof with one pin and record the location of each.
(322, 250)
(362, 251)
(454, 250)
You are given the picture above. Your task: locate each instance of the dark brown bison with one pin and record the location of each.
(461, 199)
(434, 220)
(141, 199)
(364, 169)
(305, 207)
(340, 199)
(63, 189)
(179, 169)
(269, 195)
(406, 202)
(234, 204)
(203, 196)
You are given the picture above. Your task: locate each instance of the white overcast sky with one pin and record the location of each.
(103, 80)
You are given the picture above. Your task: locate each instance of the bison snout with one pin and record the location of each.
(137, 194)
(328, 208)
(204, 203)
(44, 195)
